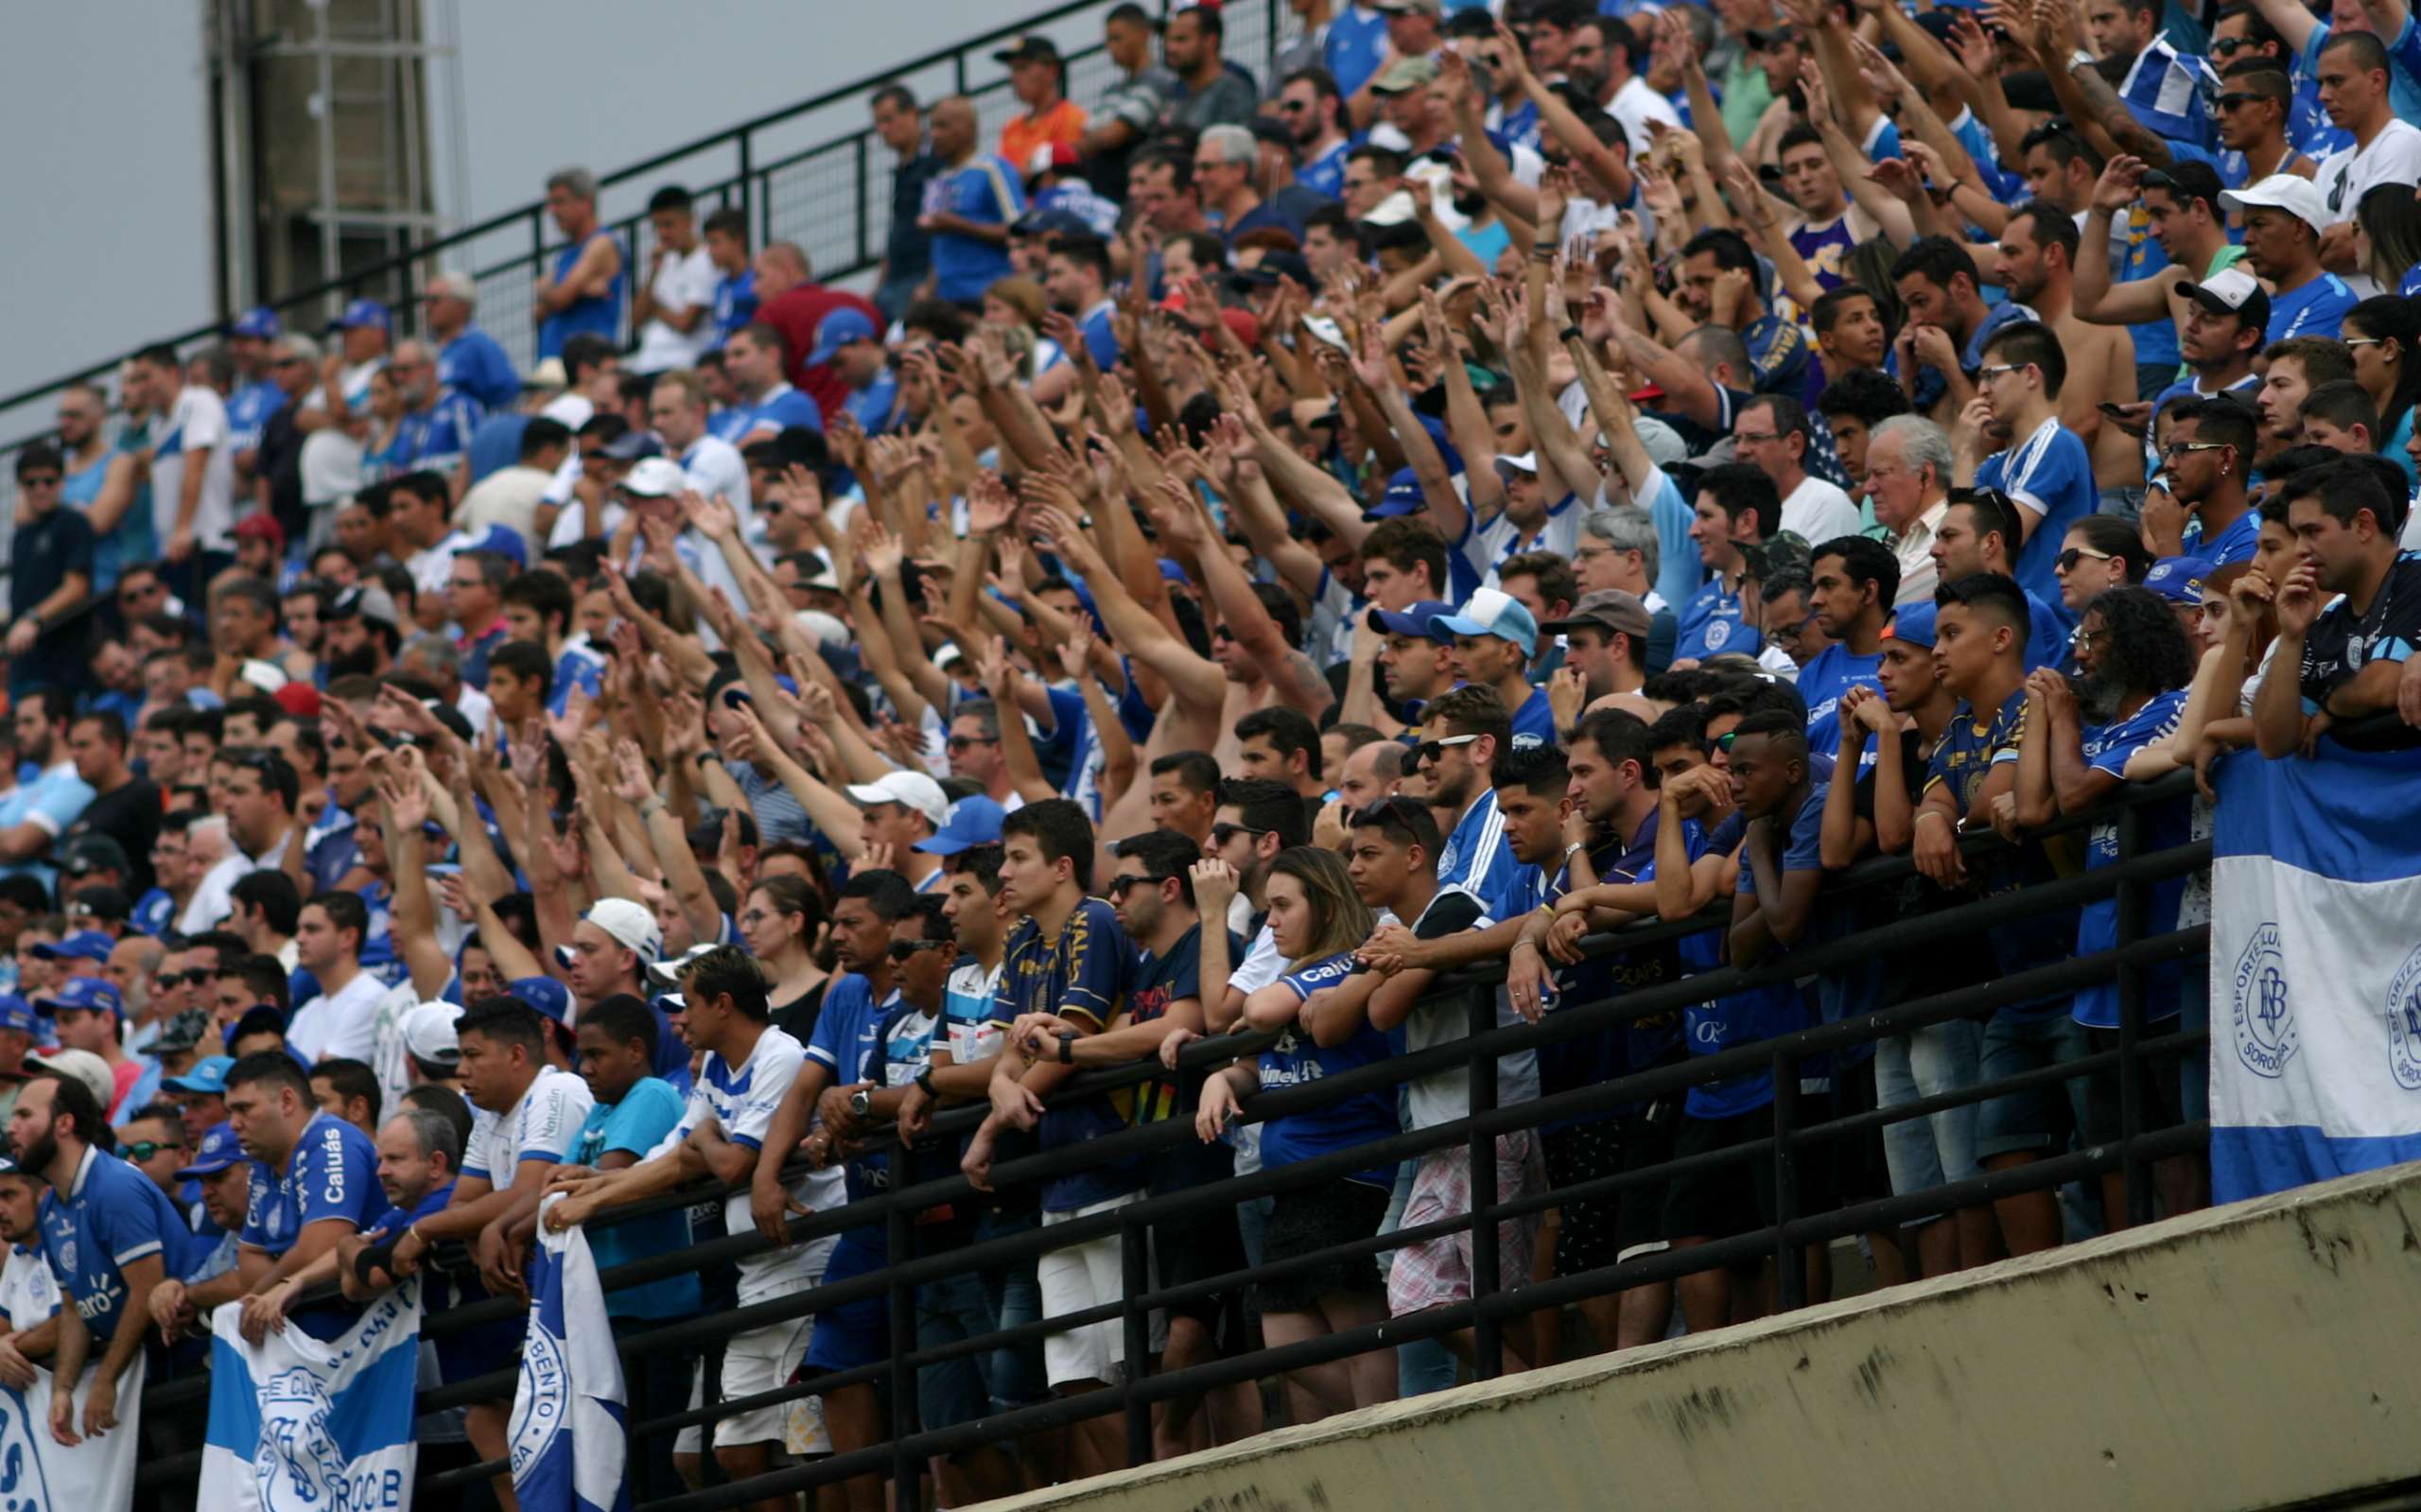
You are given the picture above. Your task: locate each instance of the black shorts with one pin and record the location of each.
(1587, 1229)
(1308, 1219)
(1857, 1171)
(2159, 1082)
(1199, 1248)
(1729, 1197)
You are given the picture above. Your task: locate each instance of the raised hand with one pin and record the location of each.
(2119, 183)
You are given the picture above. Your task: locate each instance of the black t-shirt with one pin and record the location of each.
(1907, 975)
(130, 814)
(797, 1016)
(2340, 645)
(44, 552)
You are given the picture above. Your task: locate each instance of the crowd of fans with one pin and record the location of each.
(1265, 542)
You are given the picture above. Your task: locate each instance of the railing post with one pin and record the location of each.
(1790, 1269)
(748, 179)
(1135, 1267)
(1487, 1331)
(899, 1227)
(866, 197)
(2135, 905)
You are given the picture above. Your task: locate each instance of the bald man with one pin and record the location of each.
(791, 302)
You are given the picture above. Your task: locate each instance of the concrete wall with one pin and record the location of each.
(2254, 1356)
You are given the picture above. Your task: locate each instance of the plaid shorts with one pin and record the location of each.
(1435, 1272)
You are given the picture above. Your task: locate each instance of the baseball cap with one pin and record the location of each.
(1408, 7)
(668, 973)
(371, 602)
(1048, 157)
(1403, 497)
(260, 324)
(429, 1033)
(2298, 197)
(366, 312)
(630, 923)
(912, 789)
(973, 821)
(1523, 462)
(86, 1068)
(261, 1018)
(207, 1077)
(90, 993)
(1913, 622)
(299, 699)
(1029, 49)
(1494, 611)
(2233, 291)
(182, 1032)
(1420, 620)
(1666, 447)
(2179, 579)
(86, 854)
(550, 998)
(1606, 609)
(505, 542)
(82, 944)
(547, 374)
(261, 527)
(17, 1013)
(1273, 265)
(631, 446)
(1049, 222)
(267, 676)
(1405, 75)
(655, 478)
(219, 1150)
(98, 901)
(838, 330)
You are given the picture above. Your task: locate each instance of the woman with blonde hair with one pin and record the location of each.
(1317, 920)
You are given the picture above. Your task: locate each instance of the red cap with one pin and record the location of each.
(1651, 392)
(299, 699)
(262, 527)
(1246, 325)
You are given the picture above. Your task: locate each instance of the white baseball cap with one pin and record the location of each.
(2298, 197)
(429, 1033)
(655, 478)
(914, 789)
(632, 924)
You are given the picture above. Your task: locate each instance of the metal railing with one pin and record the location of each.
(1490, 1310)
(799, 175)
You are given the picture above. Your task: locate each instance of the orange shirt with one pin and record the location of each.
(1062, 123)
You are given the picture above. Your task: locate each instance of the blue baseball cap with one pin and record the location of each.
(366, 312)
(1912, 623)
(1052, 221)
(549, 997)
(17, 1013)
(84, 945)
(219, 1150)
(1494, 611)
(973, 821)
(1173, 571)
(208, 1077)
(90, 993)
(1420, 620)
(1403, 497)
(838, 330)
(505, 542)
(260, 324)
(2179, 579)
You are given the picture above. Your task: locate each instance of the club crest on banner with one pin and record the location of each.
(2264, 1009)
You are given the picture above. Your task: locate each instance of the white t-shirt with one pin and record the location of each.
(683, 281)
(542, 1125)
(214, 897)
(741, 1102)
(198, 420)
(1816, 511)
(1636, 104)
(2393, 157)
(432, 567)
(343, 1025)
(28, 1290)
(573, 408)
(508, 496)
(714, 467)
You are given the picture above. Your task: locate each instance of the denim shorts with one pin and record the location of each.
(1939, 1148)
(2035, 1120)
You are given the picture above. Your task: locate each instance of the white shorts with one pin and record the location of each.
(764, 1359)
(1072, 1280)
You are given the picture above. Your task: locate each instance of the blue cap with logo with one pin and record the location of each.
(2179, 579)
(90, 993)
(219, 1150)
(838, 330)
(366, 312)
(84, 945)
(17, 1013)
(1494, 611)
(206, 1078)
(259, 323)
(973, 821)
(549, 997)
(1912, 622)
(1403, 497)
(1421, 620)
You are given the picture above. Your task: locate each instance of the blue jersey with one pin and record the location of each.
(1355, 45)
(1710, 624)
(2107, 748)
(2049, 473)
(1729, 1022)
(987, 192)
(848, 1040)
(1477, 857)
(1296, 1058)
(1083, 974)
(248, 409)
(331, 1175)
(593, 315)
(110, 1216)
(2317, 306)
(777, 411)
(439, 437)
(1325, 174)
(2234, 544)
(1973, 744)
(735, 302)
(473, 364)
(1534, 721)
(1828, 675)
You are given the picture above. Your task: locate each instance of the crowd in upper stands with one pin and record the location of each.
(1269, 536)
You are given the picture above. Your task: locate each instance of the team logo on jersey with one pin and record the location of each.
(2404, 1023)
(2265, 1037)
(67, 1258)
(1716, 634)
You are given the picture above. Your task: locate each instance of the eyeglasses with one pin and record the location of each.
(2081, 637)
(2180, 448)
(139, 1150)
(1755, 438)
(1429, 751)
(1220, 632)
(753, 918)
(903, 951)
(1993, 370)
(2067, 560)
(2359, 340)
(37, 481)
(960, 742)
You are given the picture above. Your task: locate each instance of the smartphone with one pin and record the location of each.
(2114, 411)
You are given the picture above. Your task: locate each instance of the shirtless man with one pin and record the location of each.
(2038, 250)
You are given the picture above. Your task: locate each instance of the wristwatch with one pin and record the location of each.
(1578, 845)
(861, 1102)
(1067, 1049)
(925, 1082)
(2080, 59)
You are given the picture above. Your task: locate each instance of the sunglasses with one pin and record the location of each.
(1120, 886)
(139, 1150)
(2229, 102)
(37, 481)
(2067, 560)
(902, 950)
(1723, 742)
(2230, 46)
(1221, 834)
(1429, 751)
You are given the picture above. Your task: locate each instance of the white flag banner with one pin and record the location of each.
(566, 1436)
(39, 1473)
(297, 1425)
